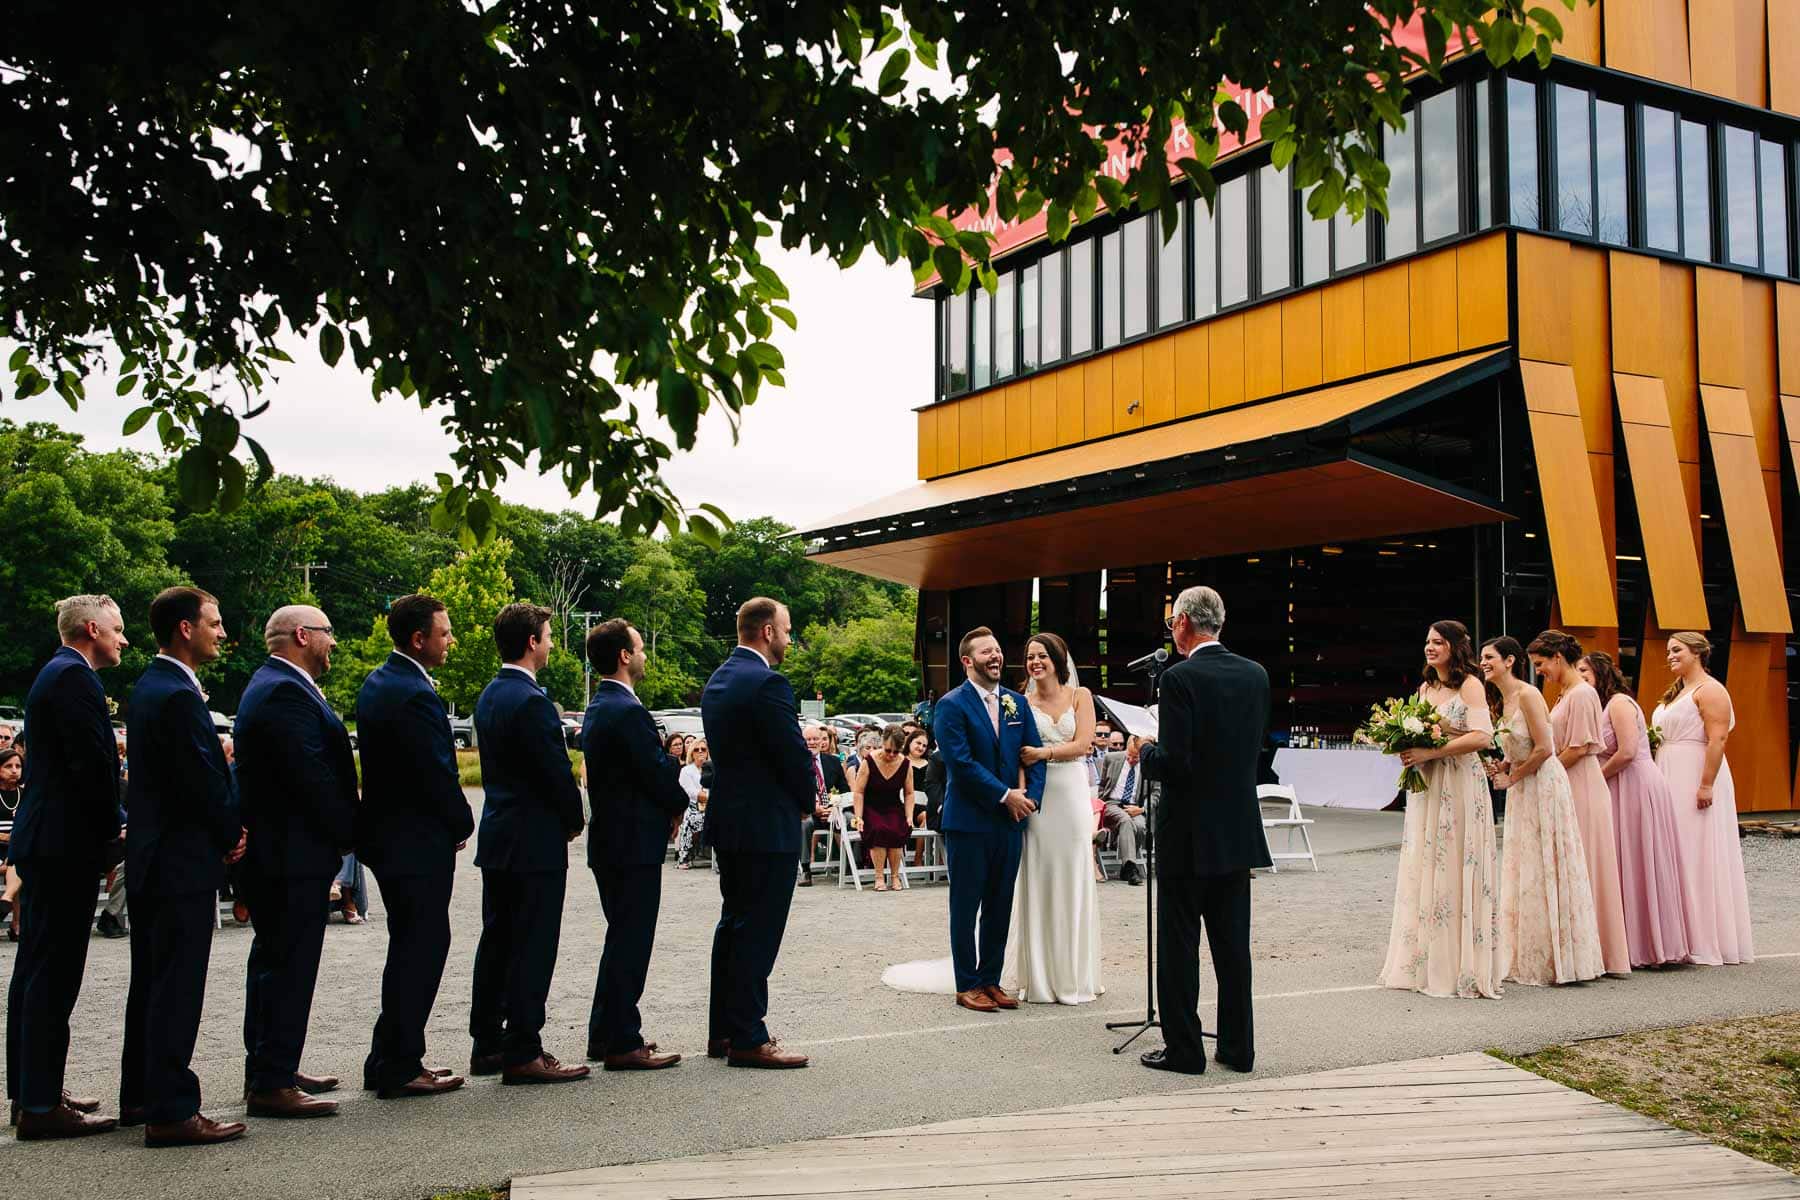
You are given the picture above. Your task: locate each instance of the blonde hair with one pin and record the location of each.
(693, 744)
(73, 614)
(1702, 650)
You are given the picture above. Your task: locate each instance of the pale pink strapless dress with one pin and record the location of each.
(1649, 873)
(1717, 904)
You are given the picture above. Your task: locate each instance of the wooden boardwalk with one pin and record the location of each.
(1465, 1125)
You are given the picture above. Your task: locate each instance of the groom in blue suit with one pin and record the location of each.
(981, 727)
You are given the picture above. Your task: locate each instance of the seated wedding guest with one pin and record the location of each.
(1115, 742)
(693, 819)
(349, 892)
(928, 773)
(6, 737)
(413, 820)
(532, 811)
(635, 795)
(675, 745)
(1097, 753)
(67, 811)
(111, 923)
(1695, 717)
(829, 779)
(185, 826)
(867, 742)
(12, 770)
(297, 779)
(883, 794)
(1643, 821)
(1125, 795)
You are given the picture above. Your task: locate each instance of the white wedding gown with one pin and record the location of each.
(1053, 948)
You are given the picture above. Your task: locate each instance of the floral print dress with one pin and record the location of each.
(1445, 939)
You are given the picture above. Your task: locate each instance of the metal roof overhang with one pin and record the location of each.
(1262, 476)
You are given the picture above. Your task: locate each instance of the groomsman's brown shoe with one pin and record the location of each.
(768, 1056)
(86, 1104)
(426, 1083)
(978, 1000)
(312, 1085)
(197, 1130)
(61, 1122)
(644, 1058)
(289, 1103)
(1000, 998)
(542, 1069)
(718, 1047)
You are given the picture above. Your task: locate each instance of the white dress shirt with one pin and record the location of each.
(185, 670)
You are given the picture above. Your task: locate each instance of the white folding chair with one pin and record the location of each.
(1290, 822)
(848, 839)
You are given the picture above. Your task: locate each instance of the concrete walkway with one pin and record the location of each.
(1462, 1124)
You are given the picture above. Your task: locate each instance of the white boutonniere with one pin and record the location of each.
(1008, 707)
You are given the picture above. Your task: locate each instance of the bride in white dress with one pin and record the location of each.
(1053, 951)
(1053, 948)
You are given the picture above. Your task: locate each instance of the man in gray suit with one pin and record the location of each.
(1127, 796)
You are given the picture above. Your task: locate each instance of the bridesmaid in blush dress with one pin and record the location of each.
(1696, 718)
(1643, 821)
(1576, 723)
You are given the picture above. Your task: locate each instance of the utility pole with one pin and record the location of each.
(306, 570)
(587, 669)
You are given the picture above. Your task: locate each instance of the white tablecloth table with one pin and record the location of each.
(1339, 778)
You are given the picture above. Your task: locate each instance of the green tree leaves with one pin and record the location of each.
(474, 588)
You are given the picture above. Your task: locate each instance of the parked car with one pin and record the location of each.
(679, 720)
(462, 732)
(221, 722)
(11, 714)
(571, 723)
(894, 718)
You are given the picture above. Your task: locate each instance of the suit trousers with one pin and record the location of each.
(171, 944)
(756, 891)
(521, 925)
(1127, 831)
(279, 978)
(630, 896)
(1222, 904)
(983, 869)
(418, 920)
(56, 914)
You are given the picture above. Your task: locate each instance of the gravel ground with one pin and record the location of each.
(880, 1059)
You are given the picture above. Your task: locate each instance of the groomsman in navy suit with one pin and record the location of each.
(532, 813)
(297, 781)
(185, 828)
(413, 820)
(763, 785)
(68, 813)
(636, 798)
(981, 727)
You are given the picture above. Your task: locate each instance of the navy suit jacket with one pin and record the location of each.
(296, 777)
(634, 788)
(981, 767)
(181, 795)
(533, 804)
(762, 771)
(69, 807)
(413, 812)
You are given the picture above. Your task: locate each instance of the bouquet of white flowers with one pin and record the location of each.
(1406, 723)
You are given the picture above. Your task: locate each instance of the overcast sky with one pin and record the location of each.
(841, 432)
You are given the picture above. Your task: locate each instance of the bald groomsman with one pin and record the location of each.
(297, 776)
(67, 816)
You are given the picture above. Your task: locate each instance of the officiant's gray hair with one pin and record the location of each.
(1204, 607)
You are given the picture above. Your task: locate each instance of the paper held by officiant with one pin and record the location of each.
(1138, 722)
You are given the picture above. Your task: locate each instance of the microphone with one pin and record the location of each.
(1156, 660)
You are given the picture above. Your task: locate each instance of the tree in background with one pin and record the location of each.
(862, 665)
(666, 685)
(351, 663)
(562, 677)
(658, 595)
(474, 589)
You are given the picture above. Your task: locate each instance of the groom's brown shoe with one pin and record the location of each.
(1000, 998)
(978, 1000)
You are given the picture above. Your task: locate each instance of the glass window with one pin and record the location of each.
(1028, 318)
(1005, 300)
(1696, 192)
(1136, 276)
(1402, 197)
(982, 371)
(1484, 157)
(1171, 255)
(1315, 245)
(1350, 241)
(1740, 198)
(1441, 192)
(1050, 293)
(1522, 153)
(1234, 232)
(1109, 289)
(1081, 297)
(1612, 216)
(1574, 162)
(1662, 230)
(957, 333)
(1206, 268)
(1774, 209)
(1276, 197)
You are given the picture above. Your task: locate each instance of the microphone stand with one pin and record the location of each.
(1154, 669)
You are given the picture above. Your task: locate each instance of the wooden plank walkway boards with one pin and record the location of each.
(1463, 1126)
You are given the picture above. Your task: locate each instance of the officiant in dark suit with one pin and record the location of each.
(635, 798)
(1209, 835)
(297, 783)
(763, 785)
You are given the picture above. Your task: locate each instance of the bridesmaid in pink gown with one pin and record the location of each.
(1695, 718)
(1576, 723)
(1643, 822)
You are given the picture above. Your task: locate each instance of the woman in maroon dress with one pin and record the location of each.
(883, 796)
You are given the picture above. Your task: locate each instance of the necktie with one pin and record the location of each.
(818, 777)
(1130, 784)
(993, 707)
